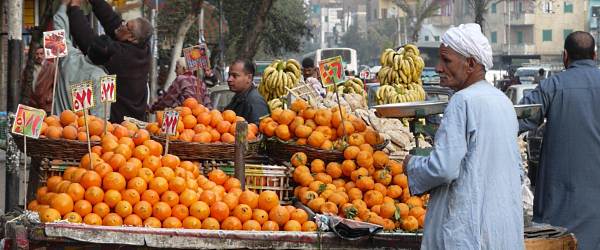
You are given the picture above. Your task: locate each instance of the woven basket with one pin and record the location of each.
(204, 151)
(261, 178)
(281, 151)
(57, 149)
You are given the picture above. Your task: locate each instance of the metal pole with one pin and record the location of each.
(508, 33)
(15, 52)
(154, 61)
(221, 42)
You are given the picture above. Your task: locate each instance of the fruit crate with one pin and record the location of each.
(49, 168)
(260, 177)
(203, 151)
(57, 149)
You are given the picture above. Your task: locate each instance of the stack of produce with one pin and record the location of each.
(350, 102)
(278, 76)
(71, 126)
(318, 127)
(352, 85)
(198, 124)
(132, 184)
(400, 76)
(366, 186)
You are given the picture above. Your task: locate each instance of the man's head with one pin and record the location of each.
(39, 55)
(136, 31)
(308, 67)
(579, 45)
(541, 72)
(181, 66)
(465, 55)
(240, 76)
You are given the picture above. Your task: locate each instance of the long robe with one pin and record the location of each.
(568, 179)
(472, 174)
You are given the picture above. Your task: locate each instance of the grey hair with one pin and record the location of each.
(143, 30)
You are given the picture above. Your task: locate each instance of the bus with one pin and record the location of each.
(348, 57)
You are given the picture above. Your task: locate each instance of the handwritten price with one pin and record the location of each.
(331, 70)
(28, 121)
(108, 88)
(169, 123)
(83, 97)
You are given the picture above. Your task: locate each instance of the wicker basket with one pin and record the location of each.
(281, 151)
(49, 168)
(261, 178)
(57, 149)
(205, 151)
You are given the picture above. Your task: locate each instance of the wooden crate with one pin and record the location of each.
(565, 242)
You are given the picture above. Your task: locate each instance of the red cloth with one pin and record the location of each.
(183, 87)
(42, 94)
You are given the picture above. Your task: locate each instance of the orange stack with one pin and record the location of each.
(131, 183)
(366, 186)
(71, 126)
(198, 124)
(319, 128)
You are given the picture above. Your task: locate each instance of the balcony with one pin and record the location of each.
(520, 49)
(440, 20)
(522, 19)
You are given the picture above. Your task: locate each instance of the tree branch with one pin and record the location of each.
(250, 45)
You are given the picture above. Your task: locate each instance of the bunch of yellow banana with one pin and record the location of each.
(400, 75)
(274, 104)
(352, 85)
(278, 76)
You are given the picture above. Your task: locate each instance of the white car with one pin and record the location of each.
(516, 92)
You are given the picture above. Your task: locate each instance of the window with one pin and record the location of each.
(520, 7)
(494, 37)
(519, 37)
(566, 33)
(547, 7)
(436, 38)
(546, 35)
(426, 38)
(493, 8)
(568, 7)
(384, 13)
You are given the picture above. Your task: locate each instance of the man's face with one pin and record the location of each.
(39, 55)
(308, 72)
(452, 68)
(238, 80)
(124, 32)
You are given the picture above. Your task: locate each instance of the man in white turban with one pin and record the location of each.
(473, 173)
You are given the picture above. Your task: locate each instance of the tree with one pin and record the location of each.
(416, 12)
(369, 45)
(480, 8)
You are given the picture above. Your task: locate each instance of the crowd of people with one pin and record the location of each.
(473, 174)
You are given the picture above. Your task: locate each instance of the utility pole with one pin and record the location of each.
(221, 42)
(15, 52)
(154, 61)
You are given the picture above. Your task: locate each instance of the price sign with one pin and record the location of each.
(28, 121)
(169, 123)
(108, 87)
(331, 70)
(196, 57)
(365, 74)
(82, 96)
(55, 44)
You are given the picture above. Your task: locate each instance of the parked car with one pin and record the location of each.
(220, 95)
(516, 92)
(429, 76)
(527, 75)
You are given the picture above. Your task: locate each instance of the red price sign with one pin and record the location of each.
(28, 121)
(108, 87)
(82, 96)
(169, 123)
(365, 74)
(331, 70)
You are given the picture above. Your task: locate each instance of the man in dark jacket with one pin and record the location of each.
(247, 102)
(124, 51)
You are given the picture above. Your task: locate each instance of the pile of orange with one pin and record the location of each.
(366, 186)
(131, 183)
(71, 126)
(319, 128)
(198, 124)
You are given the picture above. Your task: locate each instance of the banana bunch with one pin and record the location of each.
(274, 104)
(278, 76)
(400, 75)
(352, 85)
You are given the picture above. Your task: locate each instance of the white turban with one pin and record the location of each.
(467, 40)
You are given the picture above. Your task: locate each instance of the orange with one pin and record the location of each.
(141, 136)
(200, 210)
(103, 168)
(414, 202)
(279, 214)
(211, 224)
(299, 215)
(116, 161)
(373, 198)
(219, 210)
(334, 169)
(152, 222)
(179, 211)
(229, 115)
(292, 225)
(66, 117)
(387, 210)
(329, 208)
(82, 207)
(216, 117)
(155, 147)
(52, 182)
(70, 133)
(190, 102)
(170, 197)
(152, 162)
(270, 226)
(204, 119)
(260, 215)
(410, 223)
(177, 184)
(150, 196)
(366, 147)
(249, 198)
(170, 160)
(131, 195)
(316, 139)
(309, 226)
(383, 177)
(113, 180)
(191, 222)
(88, 160)
(133, 220)
(231, 183)
(203, 137)
(303, 131)
(143, 209)
(96, 127)
(72, 217)
(317, 166)
(141, 152)
(159, 184)
(323, 117)
(53, 132)
(130, 170)
(243, 212)
(268, 200)
(94, 195)
(112, 197)
(227, 138)
(364, 159)
(299, 159)
(231, 223)
(380, 159)
(112, 219)
(223, 126)
(92, 219)
(251, 225)
(123, 150)
(49, 215)
(63, 186)
(161, 210)
(217, 176)
(76, 191)
(138, 184)
(101, 209)
(401, 180)
(123, 208)
(63, 203)
(189, 121)
(231, 200)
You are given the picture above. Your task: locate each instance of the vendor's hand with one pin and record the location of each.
(406, 160)
(76, 3)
